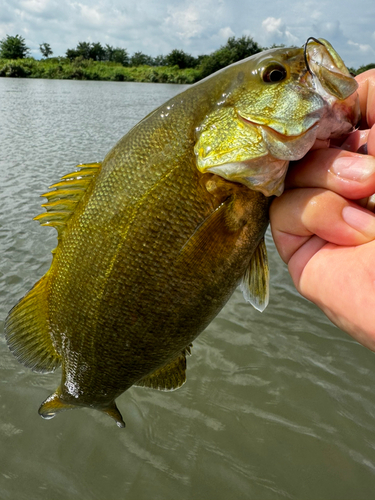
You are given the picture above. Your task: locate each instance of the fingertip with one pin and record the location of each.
(354, 167)
(360, 220)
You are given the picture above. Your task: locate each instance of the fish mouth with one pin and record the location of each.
(272, 130)
(286, 146)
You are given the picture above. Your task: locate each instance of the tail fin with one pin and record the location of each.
(27, 331)
(54, 404)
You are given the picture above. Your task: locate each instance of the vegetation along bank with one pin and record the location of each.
(93, 61)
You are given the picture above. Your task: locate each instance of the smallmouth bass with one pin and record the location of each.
(153, 241)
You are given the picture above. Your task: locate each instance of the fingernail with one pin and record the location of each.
(360, 220)
(354, 168)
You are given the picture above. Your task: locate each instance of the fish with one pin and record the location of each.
(153, 240)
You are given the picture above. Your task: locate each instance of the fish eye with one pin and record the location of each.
(274, 73)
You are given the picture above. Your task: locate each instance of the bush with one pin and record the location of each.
(13, 70)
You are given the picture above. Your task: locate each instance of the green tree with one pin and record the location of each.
(86, 50)
(121, 56)
(140, 59)
(71, 54)
(159, 61)
(181, 59)
(83, 49)
(13, 47)
(243, 47)
(97, 52)
(45, 49)
(116, 54)
(234, 50)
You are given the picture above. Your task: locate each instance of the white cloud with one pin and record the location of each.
(316, 15)
(362, 47)
(273, 26)
(330, 29)
(226, 33)
(90, 14)
(185, 21)
(37, 6)
(277, 31)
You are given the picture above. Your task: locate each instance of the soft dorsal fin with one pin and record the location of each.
(170, 376)
(65, 196)
(255, 282)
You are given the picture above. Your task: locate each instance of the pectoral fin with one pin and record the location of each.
(255, 282)
(212, 238)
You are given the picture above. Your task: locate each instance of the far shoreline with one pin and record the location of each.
(59, 68)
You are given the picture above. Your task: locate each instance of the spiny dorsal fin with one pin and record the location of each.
(255, 282)
(27, 331)
(170, 377)
(65, 196)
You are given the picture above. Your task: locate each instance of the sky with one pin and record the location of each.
(197, 27)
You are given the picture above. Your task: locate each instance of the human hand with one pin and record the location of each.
(324, 235)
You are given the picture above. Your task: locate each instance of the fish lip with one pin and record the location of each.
(275, 132)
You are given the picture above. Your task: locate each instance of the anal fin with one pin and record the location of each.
(170, 376)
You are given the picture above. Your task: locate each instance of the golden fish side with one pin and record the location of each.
(153, 241)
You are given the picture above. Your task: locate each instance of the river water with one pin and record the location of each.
(278, 405)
